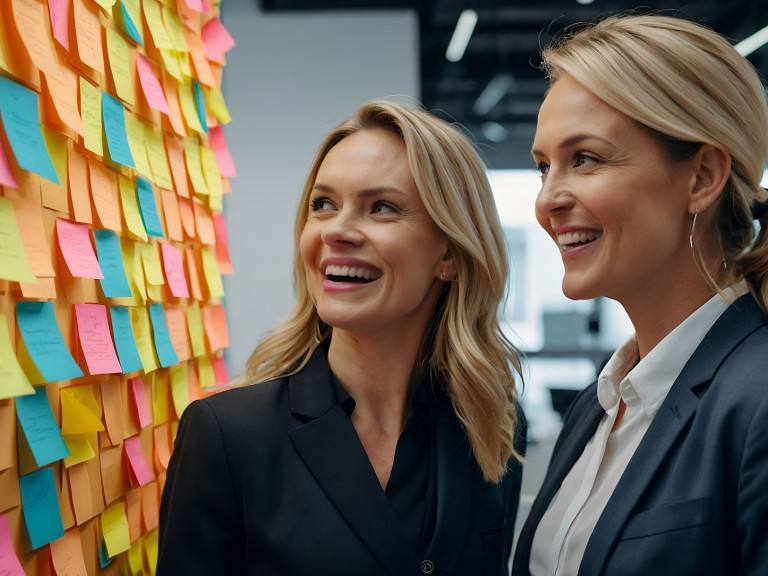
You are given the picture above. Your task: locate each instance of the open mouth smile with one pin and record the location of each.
(570, 240)
(351, 274)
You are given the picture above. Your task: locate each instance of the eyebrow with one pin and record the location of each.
(575, 139)
(365, 193)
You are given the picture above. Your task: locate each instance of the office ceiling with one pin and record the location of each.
(505, 45)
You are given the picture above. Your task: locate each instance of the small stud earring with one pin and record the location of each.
(444, 279)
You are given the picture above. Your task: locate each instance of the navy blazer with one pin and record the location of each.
(694, 497)
(272, 479)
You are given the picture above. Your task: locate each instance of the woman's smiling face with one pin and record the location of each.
(617, 210)
(371, 251)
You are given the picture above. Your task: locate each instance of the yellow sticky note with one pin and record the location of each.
(160, 398)
(114, 526)
(80, 449)
(211, 170)
(171, 63)
(143, 336)
(13, 381)
(14, 264)
(153, 269)
(80, 411)
(175, 30)
(134, 129)
(135, 558)
(195, 327)
(214, 103)
(106, 5)
(27, 364)
(206, 373)
(158, 158)
(56, 143)
(138, 290)
(194, 167)
(131, 207)
(90, 110)
(184, 65)
(152, 13)
(3, 51)
(119, 54)
(151, 546)
(179, 388)
(138, 271)
(188, 106)
(212, 275)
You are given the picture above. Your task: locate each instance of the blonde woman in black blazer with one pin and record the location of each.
(377, 432)
(652, 142)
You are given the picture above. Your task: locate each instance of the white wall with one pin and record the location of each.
(289, 80)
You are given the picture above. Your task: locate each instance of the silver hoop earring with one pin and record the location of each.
(693, 227)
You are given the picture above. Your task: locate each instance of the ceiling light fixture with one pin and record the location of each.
(461, 35)
(752, 43)
(493, 93)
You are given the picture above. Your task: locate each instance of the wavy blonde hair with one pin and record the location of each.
(688, 86)
(467, 347)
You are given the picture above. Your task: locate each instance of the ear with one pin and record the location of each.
(712, 167)
(447, 268)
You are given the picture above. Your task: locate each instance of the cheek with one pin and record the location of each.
(308, 244)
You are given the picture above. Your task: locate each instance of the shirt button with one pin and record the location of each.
(427, 567)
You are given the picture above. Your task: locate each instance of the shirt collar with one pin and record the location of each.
(648, 380)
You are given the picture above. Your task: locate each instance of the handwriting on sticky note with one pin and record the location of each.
(29, 218)
(139, 402)
(150, 85)
(166, 355)
(119, 55)
(125, 343)
(104, 193)
(174, 271)
(113, 116)
(138, 462)
(40, 505)
(158, 160)
(40, 428)
(14, 264)
(115, 282)
(43, 340)
(131, 207)
(90, 111)
(77, 250)
(95, 339)
(88, 34)
(67, 554)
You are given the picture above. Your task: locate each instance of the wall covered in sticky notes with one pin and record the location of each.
(113, 166)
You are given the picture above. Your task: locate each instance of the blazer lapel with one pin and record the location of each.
(735, 324)
(330, 448)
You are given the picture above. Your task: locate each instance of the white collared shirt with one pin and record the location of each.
(563, 532)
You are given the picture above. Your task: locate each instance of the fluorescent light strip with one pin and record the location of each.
(461, 35)
(752, 43)
(493, 92)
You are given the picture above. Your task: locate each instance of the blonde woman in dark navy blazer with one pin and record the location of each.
(651, 143)
(381, 436)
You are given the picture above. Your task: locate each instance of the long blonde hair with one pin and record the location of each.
(687, 85)
(468, 348)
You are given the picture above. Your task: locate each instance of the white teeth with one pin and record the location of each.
(351, 271)
(568, 239)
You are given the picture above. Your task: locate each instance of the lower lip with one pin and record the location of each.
(330, 286)
(578, 250)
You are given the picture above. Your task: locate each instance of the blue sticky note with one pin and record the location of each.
(113, 115)
(126, 24)
(115, 282)
(18, 108)
(104, 559)
(200, 106)
(40, 428)
(42, 337)
(165, 352)
(148, 208)
(125, 343)
(40, 505)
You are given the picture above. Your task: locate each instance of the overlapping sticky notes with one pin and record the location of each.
(40, 429)
(40, 505)
(6, 172)
(127, 352)
(204, 223)
(14, 264)
(194, 167)
(221, 150)
(212, 175)
(77, 250)
(177, 328)
(80, 411)
(43, 340)
(220, 370)
(195, 327)
(90, 111)
(165, 352)
(215, 323)
(128, 19)
(139, 402)
(95, 339)
(143, 336)
(131, 207)
(158, 159)
(222, 245)
(13, 381)
(174, 271)
(137, 463)
(155, 24)
(161, 408)
(104, 193)
(206, 372)
(189, 107)
(67, 554)
(212, 274)
(216, 39)
(113, 116)
(148, 208)
(29, 218)
(19, 111)
(179, 388)
(135, 131)
(80, 449)
(9, 562)
(88, 34)
(58, 10)
(216, 105)
(114, 526)
(119, 54)
(115, 283)
(150, 85)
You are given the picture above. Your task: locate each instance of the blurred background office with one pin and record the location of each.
(302, 66)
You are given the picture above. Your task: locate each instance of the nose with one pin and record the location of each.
(555, 195)
(343, 228)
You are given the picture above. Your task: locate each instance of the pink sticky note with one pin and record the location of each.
(6, 174)
(220, 370)
(96, 340)
(151, 85)
(195, 5)
(139, 399)
(216, 39)
(219, 147)
(9, 562)
(58, 10)
(207, 6)
(75, 245)
(174, 271)
(137, 461)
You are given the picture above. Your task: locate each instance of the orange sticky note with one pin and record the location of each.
(88, 34)
(75, 245)
(67, 554)
(172, 215)
(222, 244)
(150, 505)
(177, 330)
(187, 217)
(29, 219)
(62, 83)
(197, 52)
(133, 511)
(32, 25)
(204, 223)
(104, 193)
(215, 322)
(175, 149)
(112, 406)
(79, 187)
(195, 284)
(170, 87)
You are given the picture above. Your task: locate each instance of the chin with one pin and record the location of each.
(579, 291)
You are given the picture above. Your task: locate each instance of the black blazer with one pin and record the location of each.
(694, 497)
(272, 479)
